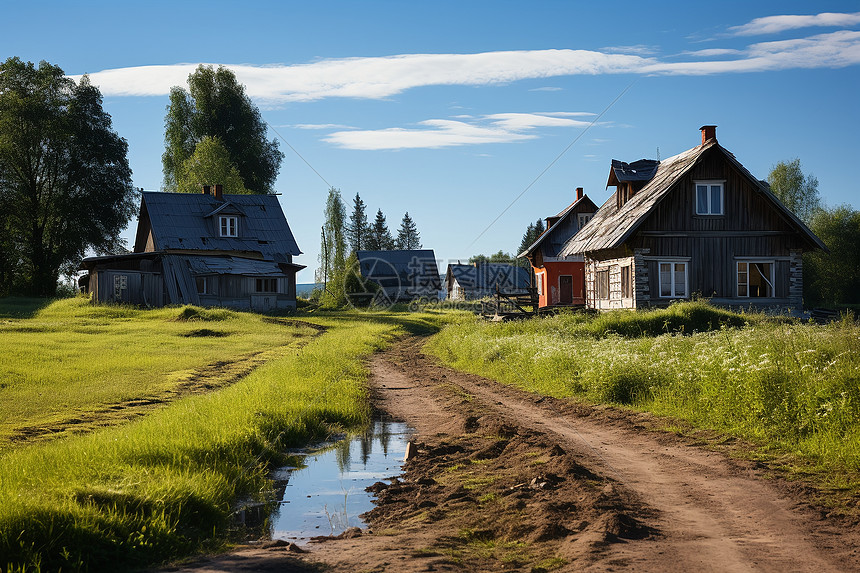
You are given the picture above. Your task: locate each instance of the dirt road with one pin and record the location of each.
(506, 480)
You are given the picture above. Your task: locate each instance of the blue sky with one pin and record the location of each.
(451, 110)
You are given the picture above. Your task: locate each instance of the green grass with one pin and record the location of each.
(790, 386)
(165, 486)
(71, 358)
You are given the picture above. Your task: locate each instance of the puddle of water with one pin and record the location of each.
(327, 496)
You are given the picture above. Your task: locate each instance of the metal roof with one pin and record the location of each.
(403, 269)
(642, 170)
(558, 224)
(485, 276)
(189, 221)
(611, 227)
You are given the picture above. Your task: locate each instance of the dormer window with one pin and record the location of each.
(710, 198)
(228, 226)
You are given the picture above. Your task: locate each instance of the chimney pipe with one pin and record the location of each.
(206, 190)
(219, 192)
(578, 193)
(708, 132)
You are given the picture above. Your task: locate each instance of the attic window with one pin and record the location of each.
(709, 198)
(228, 226)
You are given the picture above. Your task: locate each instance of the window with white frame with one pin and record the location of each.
(229, 227)
(539, 278)
(755, 279)
(673, 279)
(204, 285)
(602, 278)
(710, 198)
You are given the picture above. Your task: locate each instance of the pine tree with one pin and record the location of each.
(379, 238)
(358, 231)
(408, 237)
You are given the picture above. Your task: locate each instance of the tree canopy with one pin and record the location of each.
(797, 191)
(499, 257)
(65, 181)
(408, 237)
(216, 105)
(834, 278)
(210, 164)
(333, 247)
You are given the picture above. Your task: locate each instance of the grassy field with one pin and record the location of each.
(789, 387)
(165, 485)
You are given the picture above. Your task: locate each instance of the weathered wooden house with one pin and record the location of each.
(206, 249)
(696, 223)
(560, 279)
(478, 280)
(402, 275)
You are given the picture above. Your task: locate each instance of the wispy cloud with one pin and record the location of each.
(436, 133)
(781, 23)
(383, 77)
(318, 126)
(638, 49)
(546, 89)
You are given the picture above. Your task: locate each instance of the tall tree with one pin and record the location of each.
(65, 182)
(210, 164)
(357, 229)
(408, 237)
(797, 191)
(379, 238)
(216, 105)
(333, 249)
(834, 278)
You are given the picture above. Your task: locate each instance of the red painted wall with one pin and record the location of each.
(550, 294)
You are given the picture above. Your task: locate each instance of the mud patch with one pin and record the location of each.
(206, 332)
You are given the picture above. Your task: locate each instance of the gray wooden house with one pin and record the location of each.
(696, 223)
(478, 280)
(205, 249)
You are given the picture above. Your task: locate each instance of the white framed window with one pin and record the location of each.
(204, 285)
(229, 227)
(755, 279)
(710, 198)
(673, 279)
(602, 277)
(539, 278)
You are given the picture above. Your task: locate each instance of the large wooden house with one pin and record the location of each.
(697, 223)
(205, 249)
(560, 279)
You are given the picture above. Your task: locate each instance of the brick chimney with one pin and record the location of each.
(578, 193)
(219, 192)
(206, 190)
(709, 132)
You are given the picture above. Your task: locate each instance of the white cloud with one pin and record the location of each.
(382, 77)
(714, 52)
(638, 49)
(833, 50)
(776, 24)
(318, 126)
(546, 89)
(436, 133)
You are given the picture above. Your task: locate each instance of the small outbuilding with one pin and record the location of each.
(478, 280)
(401, 275)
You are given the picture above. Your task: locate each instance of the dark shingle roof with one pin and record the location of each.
(642, 170)
(557, 225)
(190, 221)
(485, 276)
(406, 270)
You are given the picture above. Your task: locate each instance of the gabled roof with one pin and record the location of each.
(584, 201)
(405, 270)
(612, 226)
(485, 276)
(183, 221)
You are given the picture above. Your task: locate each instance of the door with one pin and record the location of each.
(565, 289)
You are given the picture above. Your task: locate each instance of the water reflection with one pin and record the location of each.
(327, 496)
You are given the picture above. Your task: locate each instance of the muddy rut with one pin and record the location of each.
(507, 480)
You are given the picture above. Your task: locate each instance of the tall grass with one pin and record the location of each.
(164, 486)
(790, 385)
(71, 358)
